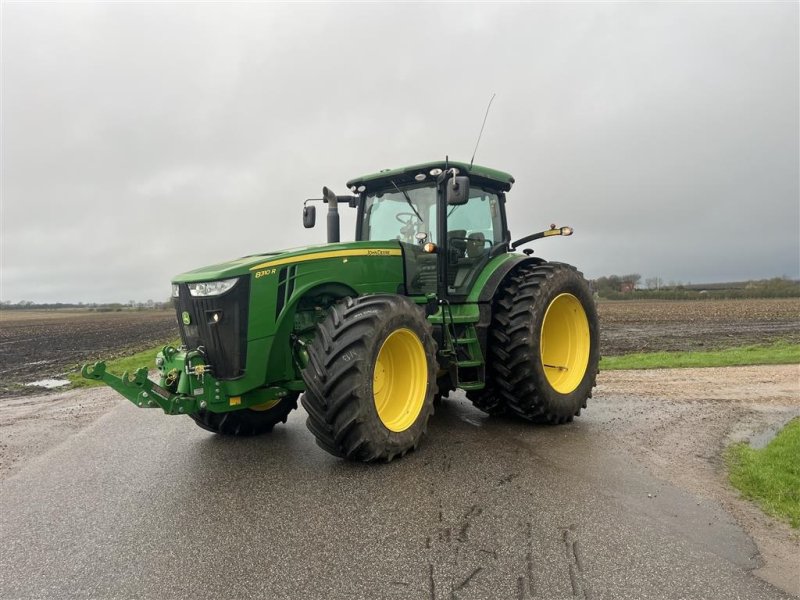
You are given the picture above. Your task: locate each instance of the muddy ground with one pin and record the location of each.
(36, 345)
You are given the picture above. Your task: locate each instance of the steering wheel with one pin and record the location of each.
(411, 216)
(408, 226)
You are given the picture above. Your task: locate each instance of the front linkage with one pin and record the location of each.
(185, 382)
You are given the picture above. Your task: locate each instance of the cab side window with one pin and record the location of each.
(478, 221)
(472, 229)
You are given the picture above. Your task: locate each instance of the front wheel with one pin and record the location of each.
(543, 347)
(248, 421)
(371, 378)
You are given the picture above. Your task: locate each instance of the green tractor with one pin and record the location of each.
(431, 297)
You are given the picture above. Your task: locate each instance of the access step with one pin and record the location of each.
(471, 385)
(463, 364)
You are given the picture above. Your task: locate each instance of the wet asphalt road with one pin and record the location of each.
(141, 505)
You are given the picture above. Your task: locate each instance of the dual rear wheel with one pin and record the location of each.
(542, 347)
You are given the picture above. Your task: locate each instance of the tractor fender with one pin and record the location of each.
(489, 289)
(279, 361)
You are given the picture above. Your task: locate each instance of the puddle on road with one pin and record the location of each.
(756, 434)
(760, 439)
(48, 383)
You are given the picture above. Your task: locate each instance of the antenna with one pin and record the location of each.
(481, 133)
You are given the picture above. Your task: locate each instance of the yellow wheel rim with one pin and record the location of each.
(565, 343)
(400, 380)
(266, 405)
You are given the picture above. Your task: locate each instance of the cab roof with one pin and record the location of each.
(406, 175)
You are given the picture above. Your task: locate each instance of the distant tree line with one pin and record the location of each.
(627, 287)
(92, 306)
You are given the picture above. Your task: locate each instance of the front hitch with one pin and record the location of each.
(143, 392)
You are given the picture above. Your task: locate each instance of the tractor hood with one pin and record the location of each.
(257, 262)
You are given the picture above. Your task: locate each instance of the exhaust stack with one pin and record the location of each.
(333, 214)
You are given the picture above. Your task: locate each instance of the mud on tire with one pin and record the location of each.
(536, 315)
(248, 421)
(369, 352)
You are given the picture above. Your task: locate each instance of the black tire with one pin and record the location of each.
(518, 381)
(343, 360)
(488, 399)
(246, 422)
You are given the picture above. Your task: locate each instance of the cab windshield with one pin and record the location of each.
(409, 215)
(473, 229)
(394, 215)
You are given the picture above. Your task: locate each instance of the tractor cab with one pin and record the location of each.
(447, 235)
(409, 215)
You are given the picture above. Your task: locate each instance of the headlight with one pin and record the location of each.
(212, 288)
(175, 290)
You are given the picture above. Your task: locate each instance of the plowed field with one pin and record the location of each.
(651, 326)
(36, 345)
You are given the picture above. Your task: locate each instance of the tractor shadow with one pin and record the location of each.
(456, 427)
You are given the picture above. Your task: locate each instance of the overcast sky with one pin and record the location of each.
(144, 140)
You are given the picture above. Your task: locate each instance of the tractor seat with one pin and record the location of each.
(475, 251)
(476, 245)
(457, 243)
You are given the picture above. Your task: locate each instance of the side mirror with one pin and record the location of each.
(457, 192)
(309, 216)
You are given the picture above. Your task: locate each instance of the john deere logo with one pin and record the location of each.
(187, 320)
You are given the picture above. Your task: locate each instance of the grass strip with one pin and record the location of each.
(770, 476)
(777, 353)
(118, 366)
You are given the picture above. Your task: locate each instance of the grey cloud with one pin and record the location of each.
(141, 140)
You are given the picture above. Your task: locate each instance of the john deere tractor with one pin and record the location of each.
(430, 297)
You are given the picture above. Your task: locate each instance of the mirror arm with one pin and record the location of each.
(352, 201)
(541, 234)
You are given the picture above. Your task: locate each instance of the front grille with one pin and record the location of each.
(224, 340)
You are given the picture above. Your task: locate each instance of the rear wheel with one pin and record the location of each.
(543, 350)
(248, 421)
(370, 379)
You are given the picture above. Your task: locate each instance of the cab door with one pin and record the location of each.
(473, 229)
